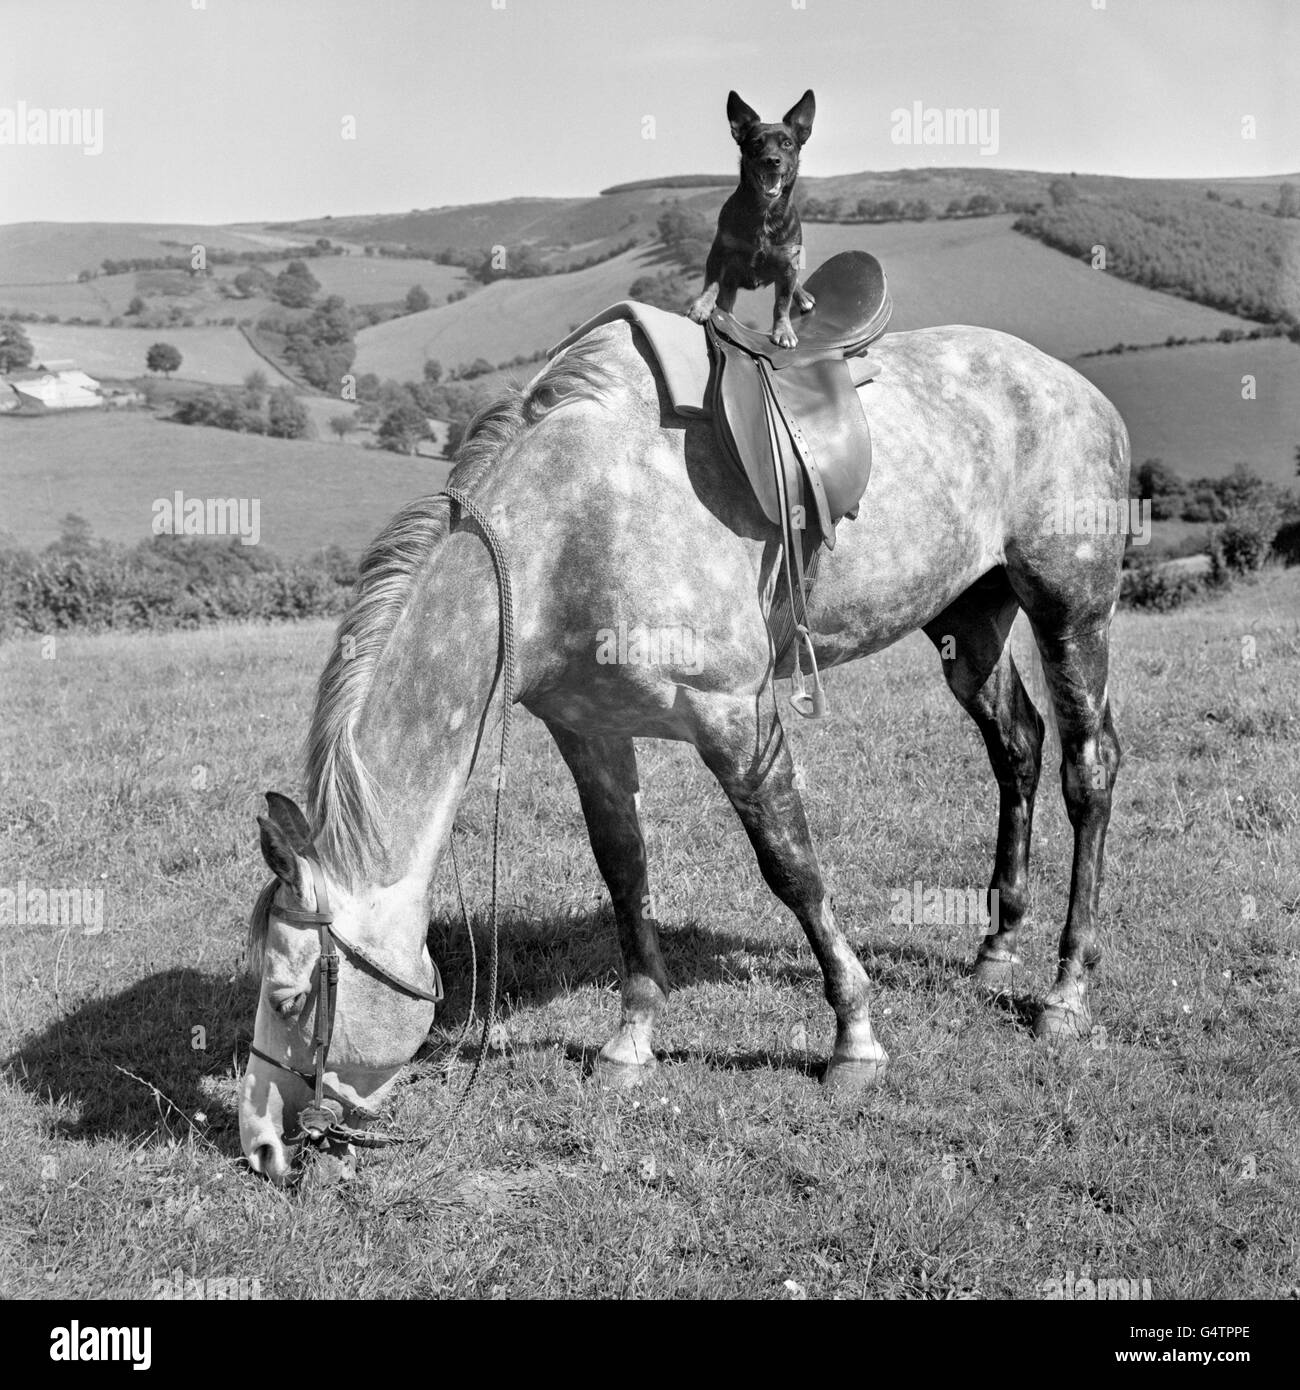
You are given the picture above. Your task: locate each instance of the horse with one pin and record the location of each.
(612, 510)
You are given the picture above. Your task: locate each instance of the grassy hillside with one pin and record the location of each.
(110, 468)
(380, 279)
(980, 272)
(1237, 259)
(499, 321)
(211, 355)
(1184, 405)
(1164, 1150)
(975, 271)
(49, 252)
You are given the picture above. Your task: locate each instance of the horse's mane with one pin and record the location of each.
(343, 801)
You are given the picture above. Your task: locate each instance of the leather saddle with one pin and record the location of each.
(789, 419)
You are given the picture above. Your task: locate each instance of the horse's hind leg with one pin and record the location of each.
(971, 635)
(743, 744)
(606, 774)
(1076, 670)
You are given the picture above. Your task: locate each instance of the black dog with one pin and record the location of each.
(759, 239)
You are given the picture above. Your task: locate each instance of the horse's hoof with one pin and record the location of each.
(848, 1077)
(621, 1076)
(1055, 1024)
(996, 976)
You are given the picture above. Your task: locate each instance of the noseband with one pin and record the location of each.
(322, 1121)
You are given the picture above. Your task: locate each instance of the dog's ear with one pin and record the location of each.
(741, 116)
(800, 117)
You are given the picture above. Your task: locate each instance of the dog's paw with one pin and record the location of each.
(806, 301)
(700, 309)
(784, 337)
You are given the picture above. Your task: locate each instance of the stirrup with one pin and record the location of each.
(812, 706)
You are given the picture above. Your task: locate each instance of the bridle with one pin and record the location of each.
(322, 1121)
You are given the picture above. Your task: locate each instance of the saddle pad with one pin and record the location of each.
(681, 350)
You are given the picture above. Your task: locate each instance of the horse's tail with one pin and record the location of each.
(1024, 651)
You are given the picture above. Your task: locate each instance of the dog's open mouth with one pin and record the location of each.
(773, 188)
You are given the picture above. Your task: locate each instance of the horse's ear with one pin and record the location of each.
(800, 116)
(283, 810)
(281, 859)
(741, 116)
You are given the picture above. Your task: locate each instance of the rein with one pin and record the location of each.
(321, 1122)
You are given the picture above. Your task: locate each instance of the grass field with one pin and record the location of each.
(1184, 405)
(41, 252)
(977, 271)
(499, 321)
(1166, 1150)
(214, 355)
(381, 279)
(110, 467)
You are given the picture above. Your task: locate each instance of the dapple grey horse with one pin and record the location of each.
(613, 510)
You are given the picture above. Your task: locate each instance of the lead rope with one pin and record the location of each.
(473, 948)
(508, 660)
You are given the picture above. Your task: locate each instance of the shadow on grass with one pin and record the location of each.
(182, 1026)
(171, 1030)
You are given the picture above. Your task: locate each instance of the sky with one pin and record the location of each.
(240, 110)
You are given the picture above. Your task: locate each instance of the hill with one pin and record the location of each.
(111, 467)
(971, 271)
(51, 252)
(498, 322)
(215, 356)
(1184, 405)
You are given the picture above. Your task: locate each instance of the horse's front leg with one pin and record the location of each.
(606, 774)
(743, 744)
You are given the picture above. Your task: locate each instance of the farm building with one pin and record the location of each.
(49, 386)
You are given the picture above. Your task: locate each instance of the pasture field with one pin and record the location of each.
(43, 252)
(377, 279)
(1184, 405)
(110, 467)
(1163, 1150)
(976, 271)
(499, 321)
(213, 355)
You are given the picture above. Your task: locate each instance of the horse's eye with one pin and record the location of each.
(291, 1005)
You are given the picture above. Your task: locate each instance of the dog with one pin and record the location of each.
(759, 239)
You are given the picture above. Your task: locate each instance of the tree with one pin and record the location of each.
(432, 370)
(136, 305)
(1159, 482)
(254, 281)
(164, 358)
(343, 425)
(403, 427)
(1062, 191)
(16, 350)
(295, 286)
(1288, 201)
(286, 416)
(417, 299)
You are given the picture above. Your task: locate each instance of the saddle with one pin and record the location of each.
(790, 419)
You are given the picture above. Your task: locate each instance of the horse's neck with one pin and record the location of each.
(433, 707)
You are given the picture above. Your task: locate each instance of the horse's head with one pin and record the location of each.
(383, 1001)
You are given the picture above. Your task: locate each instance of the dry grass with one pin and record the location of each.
(1165, 1150)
